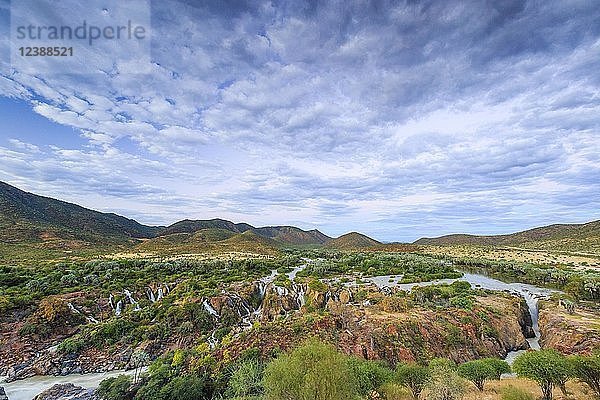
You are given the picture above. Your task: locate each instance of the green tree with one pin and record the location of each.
(444, 383)
(314, 371)
(587, 369)
(115, 388)
(500, 367)
(368, 376)
(546, 367)
(412, 376)
(477, 372)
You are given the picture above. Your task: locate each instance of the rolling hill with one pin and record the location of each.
(283, 234)
(30, 218)
(555, 236)
(352, 240)
(210, 240)
(26, 217)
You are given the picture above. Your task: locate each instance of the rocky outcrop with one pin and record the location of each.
(568, 333)
(67, 391)
(3, 395)
(417, 335)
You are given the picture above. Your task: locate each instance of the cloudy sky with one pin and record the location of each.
(397, 119)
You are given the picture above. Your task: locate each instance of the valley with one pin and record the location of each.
(206, 302)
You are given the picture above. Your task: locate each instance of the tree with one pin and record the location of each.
(546, 367)
(587, 369)
(412, 376)
(368, 376)
(115, 388)
(477, 372)
(313, 371)
(500, 367)
(444, 383)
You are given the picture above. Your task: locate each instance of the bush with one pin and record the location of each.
(368, 376)
(500, 367)
(445, 383)
(72, 345)
(477, 372)
(513, 393)
(116, 388)
(412, 376)
(313, 371)
(246, 380)
(587, 369)
(546, 367)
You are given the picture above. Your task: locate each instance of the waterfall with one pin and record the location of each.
(76, 311)
(119, 308)
(132, 300)
(210, 308)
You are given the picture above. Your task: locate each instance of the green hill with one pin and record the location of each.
(283, 234)
(26, 217)
(352, 240)
(574, 237)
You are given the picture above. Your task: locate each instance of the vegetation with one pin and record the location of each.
(412, 376)
(314, 371)
(546, 367)
(587, 370)
(480, 371)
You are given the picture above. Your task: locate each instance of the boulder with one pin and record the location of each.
(67, 391)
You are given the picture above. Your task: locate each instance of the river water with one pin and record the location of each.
(27, 389)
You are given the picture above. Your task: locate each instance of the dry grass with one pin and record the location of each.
(573, 260)
(493, 390)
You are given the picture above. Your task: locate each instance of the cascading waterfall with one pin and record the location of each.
(88, 318)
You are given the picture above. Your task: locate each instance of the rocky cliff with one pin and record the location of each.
(570, 333)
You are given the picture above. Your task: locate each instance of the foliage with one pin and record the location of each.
(368, 376)
(71, 345)
(546, 367)
(477, 371)
(115, 388)
(312, 371)
(587, 369)
(412, 376)
(500, 367)
(246, 380)
(444, 383)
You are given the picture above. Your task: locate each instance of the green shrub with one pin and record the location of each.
(587, 370)
(313, 371)
(246, 380)
(116, 388)
(546, 367)
(412, 376)
(513, 393)
(477, 371)
(71, 345)
(368, 376)
(445, 383)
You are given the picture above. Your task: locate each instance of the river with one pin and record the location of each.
(27, 389)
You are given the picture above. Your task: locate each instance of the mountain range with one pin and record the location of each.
(556, 235)
(27, 217)
(30, 218)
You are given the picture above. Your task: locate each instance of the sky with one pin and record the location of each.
(395, 119)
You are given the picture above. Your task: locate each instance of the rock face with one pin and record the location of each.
(67, 391)
(566, 333)
(493, 328)
(3, 395)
